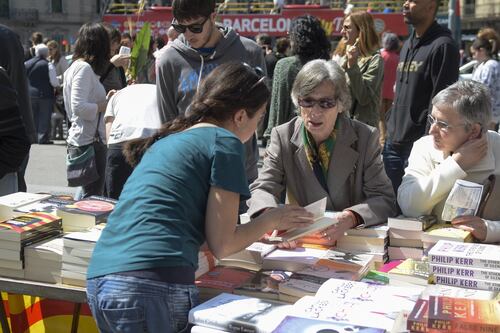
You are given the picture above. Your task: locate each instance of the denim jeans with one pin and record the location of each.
(130, 304)
(395, 162)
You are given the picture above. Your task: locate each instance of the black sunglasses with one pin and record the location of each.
(195, 28)
(324, 103)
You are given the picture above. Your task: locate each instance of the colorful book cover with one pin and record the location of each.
(446, 232)
(465, 255)
(410, 270)
(347, 261)
(224, 278)
(28, 225)
(94, 205)
(466, 272)
(293, 324)
(49, 205)
(417, 320)
(464, 315)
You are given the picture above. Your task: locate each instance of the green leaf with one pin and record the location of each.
(139, 55)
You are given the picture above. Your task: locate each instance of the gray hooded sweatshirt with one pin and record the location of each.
(181, 69)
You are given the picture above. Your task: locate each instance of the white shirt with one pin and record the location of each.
(488, 73)
(135, 111)
(82, 93)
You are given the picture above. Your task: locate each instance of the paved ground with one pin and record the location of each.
(46, 170)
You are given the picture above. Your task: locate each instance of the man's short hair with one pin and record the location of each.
(264, 39)
(191, 9)
(37, 37)
(282, 44)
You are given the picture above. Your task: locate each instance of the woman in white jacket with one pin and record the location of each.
(85, 100)
(458, 146)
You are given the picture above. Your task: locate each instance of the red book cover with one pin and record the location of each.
(24, 226)
(224, 278)
(461, 315)
(417, 319)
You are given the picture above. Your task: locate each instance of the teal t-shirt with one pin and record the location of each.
(159, 220)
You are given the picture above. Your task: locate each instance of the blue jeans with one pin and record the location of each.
(395, 161)
(130, 304)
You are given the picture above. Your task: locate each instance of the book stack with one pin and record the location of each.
(451, 314)
(9, 203)
(237, 313)
(19, 232)
(220, 280)
(293, 260)
(77, 251)
(405, 236)
(206, 262)
(43, 261)
(48, 205)
(371, 240)
(358, 303)
(466, 265)
(250, 258)
(410, 272)
(86, 213)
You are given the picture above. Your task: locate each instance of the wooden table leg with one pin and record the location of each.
(3, 318)
(76, 317)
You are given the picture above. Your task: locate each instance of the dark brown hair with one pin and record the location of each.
(93, 46)
(227, 89)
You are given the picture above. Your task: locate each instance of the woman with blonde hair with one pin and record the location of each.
(361, 60)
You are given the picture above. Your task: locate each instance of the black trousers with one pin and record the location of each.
(117, 171)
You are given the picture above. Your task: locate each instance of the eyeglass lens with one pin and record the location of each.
(195, 28)
(324, 103)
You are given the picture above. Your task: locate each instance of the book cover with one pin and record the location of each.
(224, 278)
(446, 232)
(292, 260)
(249, 258)
(466, 272)
(380, 230)
(293, 324)
(464, 315)
(11, 201)
(28, 225)
(265, 284)
(410, 270)
(300, 285)
(236, 313)
(49, 205)
(85, 213)
(346, 261)
(467, 282)
(417, 319)
(410, 223)
(465, 255)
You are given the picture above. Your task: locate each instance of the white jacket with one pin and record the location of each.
(430, 177)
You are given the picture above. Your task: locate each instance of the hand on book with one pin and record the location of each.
(330, 235)
(474, 224)
(287, 217)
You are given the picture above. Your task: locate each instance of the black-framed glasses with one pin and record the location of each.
(442, 125)
(324, 103)
(195, 28)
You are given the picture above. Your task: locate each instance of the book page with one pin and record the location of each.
(464, 199)
(317, 208)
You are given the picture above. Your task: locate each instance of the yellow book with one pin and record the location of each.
(446, 232)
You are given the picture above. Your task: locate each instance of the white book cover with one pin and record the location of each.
(465, 254)
(456, 292)
(237, 313)
(292, 260)
(466, 272)
(467, 283)
(11, 201)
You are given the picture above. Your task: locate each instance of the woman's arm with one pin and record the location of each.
(225, 237)
(365, 87)
(81, 90)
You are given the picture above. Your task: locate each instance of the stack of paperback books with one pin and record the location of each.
(405, 236)
(466, 265)
(77, 251)
(19, 232)
(43, 261)
(11, 202)
(86, 213)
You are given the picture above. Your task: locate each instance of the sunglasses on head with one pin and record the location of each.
(195, 28)
(324, 103)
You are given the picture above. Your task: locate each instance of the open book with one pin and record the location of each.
(322, 220)
(464, 199)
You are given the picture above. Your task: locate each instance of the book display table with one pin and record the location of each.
(53, 291)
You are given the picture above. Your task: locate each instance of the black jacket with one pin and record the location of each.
(427, 65)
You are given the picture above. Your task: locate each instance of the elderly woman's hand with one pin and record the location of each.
(120, 60)
(474, 224)
(471, 152)
(330, 235)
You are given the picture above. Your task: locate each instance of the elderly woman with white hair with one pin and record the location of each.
(42, 79)
(458, 146)
(323, 153)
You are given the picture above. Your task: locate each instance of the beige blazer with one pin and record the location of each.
(356, 176)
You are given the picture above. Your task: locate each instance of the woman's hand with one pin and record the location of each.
(120, 60)
(352, 53)
(330, 235)
(474, 224)
(288, 217)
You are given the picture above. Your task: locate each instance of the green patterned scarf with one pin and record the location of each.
(323, 153)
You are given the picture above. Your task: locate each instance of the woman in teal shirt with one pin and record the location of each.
(185, 191)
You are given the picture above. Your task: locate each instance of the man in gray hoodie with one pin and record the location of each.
(202, 46)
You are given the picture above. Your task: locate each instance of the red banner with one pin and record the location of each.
(253, 24)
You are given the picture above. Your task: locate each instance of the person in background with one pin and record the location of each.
(491, 35)
(390, 56)
(171, 35)
(60, 64)
(14, 144)
(131, 113)
(324, 153)
(363, 65)
(42, 80)
(185, 189)
(85, 100)
(459, 146)
(487, 71)
(282, 47)
(266, 43)
(114, 77)
(308, 42)
(12, 60)
(36, 38)
(126, 40)
(428, 64)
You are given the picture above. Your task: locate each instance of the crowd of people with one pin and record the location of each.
(376, 128)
